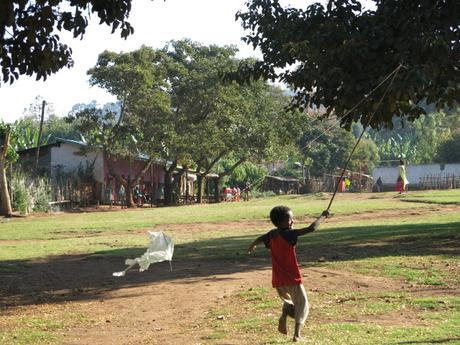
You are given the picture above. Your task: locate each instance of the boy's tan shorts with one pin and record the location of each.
(297, 296)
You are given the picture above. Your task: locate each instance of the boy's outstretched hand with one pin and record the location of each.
(251, 248)
(325, 214)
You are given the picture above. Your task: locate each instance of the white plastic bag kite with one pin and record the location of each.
(161, 248)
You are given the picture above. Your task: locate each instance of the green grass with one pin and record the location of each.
(102, 231)
(421, 247)
(435, 197)
(68, 225)
(43, 329)
(350, 318)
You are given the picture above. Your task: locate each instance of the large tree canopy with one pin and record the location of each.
(28, 32)
(177, 107)
(334, 55)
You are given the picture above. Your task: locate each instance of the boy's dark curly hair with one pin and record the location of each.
(278, 214)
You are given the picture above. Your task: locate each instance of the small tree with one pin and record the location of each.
(449, 150)
(7, 156)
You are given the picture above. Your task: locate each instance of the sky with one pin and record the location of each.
(155, 22)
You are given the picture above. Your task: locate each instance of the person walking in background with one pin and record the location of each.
(399, 185)
(122, 196)
(402, 175)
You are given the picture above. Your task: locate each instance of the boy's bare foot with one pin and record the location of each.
(297, 339)
(282, 328)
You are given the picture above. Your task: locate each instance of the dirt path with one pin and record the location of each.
(172, 312)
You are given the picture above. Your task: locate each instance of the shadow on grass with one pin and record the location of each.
(433, 341)
(431, 202)
(86, 277)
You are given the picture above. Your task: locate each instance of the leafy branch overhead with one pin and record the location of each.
(334, 55)
(29, 38)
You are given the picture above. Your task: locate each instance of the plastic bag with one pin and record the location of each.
(161, 248)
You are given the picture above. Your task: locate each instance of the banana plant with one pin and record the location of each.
(28, 138)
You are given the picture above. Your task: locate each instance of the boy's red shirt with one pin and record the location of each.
(285, 268)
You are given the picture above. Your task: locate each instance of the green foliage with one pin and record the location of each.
(42, 195)
(27, 137)
(30, 192)
(290, 169)
(259, 195)
(341, 52)
(247, 172)
(366, 157)
(28, 127)
(20, 200)
(449, 150)
(177, 106)
(417, 141)
(8, 137)
(325, 149)
(29, 41)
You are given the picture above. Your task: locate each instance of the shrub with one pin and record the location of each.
(29, 192)
(20, 200)
(42, 195)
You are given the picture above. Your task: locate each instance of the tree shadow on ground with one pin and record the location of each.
(87, 277)
(432, 341)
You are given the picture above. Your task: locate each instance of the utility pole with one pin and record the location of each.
(40, 135)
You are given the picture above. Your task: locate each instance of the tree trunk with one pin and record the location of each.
(168, 188)
(128, 182)
(217, 189)
(187, 191)
(5, 201)
(226, 173)
(177, 184)
(199, 181)
(129, 193)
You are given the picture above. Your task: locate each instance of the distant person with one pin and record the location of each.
(246, 190)
(122, 196)
(402, 175)
(137, 195)
(228, 194)
(399, 185)
(379, 184)
(286, 277)
(237, 193)
(347, 184)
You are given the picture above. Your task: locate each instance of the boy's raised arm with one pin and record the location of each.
(254, 244)
(313, 226)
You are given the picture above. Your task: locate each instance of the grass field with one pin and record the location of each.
(393, 263)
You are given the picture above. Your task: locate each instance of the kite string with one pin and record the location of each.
(366, 96)
(395, 73)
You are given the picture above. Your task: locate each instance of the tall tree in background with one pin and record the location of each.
(334, 55)
(179, 108)
(139, 80)
(29, 42)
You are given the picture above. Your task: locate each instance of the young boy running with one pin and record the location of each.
(286, 277)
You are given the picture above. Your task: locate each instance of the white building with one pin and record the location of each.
(416, 174)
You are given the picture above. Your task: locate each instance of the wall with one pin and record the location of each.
(68, 156)
(415, 172)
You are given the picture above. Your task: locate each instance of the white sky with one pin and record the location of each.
(155, 22)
